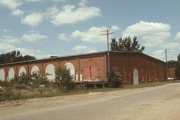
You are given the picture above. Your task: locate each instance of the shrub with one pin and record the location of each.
(8, 95)
(64, 79)
(22, 79)
(6, 83)
(38, 79)
(115, 79)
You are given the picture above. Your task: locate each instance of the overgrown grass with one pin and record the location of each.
(24, 91)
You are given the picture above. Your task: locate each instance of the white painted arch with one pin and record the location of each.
(22, 70)
(71, 68)
(35, 69)
(11, 74)
(135, 77)
(2, 75)
(50, 72)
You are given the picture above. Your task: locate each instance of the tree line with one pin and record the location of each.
(14, 56)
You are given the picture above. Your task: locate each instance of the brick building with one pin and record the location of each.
(171, 72)
(133, 66)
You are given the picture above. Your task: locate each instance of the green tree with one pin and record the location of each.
(64, 79)
(172, 63)
(14, 56)
(115, 79)
(126, 44)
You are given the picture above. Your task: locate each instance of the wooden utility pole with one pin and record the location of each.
(166, 51)
(107, 33)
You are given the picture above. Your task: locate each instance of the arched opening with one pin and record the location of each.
(11, 74)
(2, 75)
(22, 70)
(34, 69)
(70, 66)
(50, 72)
(135, 77)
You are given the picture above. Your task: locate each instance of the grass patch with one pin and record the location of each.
(21, 92)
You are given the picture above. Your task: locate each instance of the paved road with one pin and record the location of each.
(158, 103)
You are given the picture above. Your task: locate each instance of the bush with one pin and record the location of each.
(22, 79)
(8, 95)
(64, 79)
(115, 79)
(6, 83)
(38, 79)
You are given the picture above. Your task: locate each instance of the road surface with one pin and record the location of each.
(157, 103)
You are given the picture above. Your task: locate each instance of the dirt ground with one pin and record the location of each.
(152, 109)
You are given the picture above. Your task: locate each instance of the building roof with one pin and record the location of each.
(76, 56)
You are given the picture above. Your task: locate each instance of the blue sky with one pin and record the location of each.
(44, 28)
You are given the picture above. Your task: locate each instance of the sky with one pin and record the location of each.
(44, 28)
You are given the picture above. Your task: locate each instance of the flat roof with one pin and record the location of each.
(78, 55)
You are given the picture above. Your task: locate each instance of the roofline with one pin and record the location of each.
(78, 55)
(138, 53)
(55, 58)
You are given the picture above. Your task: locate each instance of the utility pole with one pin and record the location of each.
(166, 51)
(107, 33)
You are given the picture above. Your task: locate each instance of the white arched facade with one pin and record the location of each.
(2, 75)
(22, 70)
(35, 69)
(11, 74)
(135, 77)
(50, 72)
(70, 66)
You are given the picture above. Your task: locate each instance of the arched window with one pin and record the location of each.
(50, 72)
(2, 75)
(70, 66)
(11, 74)
(22, 70)
(35, 69)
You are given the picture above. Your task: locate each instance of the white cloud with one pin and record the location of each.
(64, 37)
(6, 46)
(33, 19)
(33, 37)
(59, 0)
(153, 34)
(93, 35)
(7, 31)
(170, 45)
(114, 28)
(9, 39)
(17, 12)
(69, 14)
(12, 4)
(84, 49)
(33, 0)
(177, 37)
(83, 3)
(159, 54)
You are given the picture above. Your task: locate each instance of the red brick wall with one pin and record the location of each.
(149, 69)
(94, 66)
(171, 72)
(90, 66)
